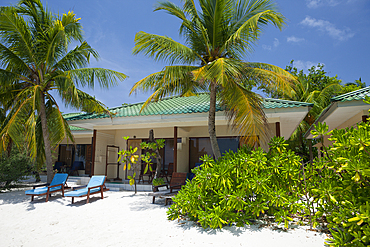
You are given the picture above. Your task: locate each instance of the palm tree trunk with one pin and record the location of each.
(45, 134)
(212, 122)
(157, 156)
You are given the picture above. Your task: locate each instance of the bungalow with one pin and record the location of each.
(345, 110)
(181, 121)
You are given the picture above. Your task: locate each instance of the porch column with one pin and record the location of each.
(277, 127)
(175, 149)
(93, 154)
(364, 118)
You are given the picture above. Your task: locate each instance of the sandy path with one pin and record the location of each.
(121, 219)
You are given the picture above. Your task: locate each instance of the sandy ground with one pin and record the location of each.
(123, 219)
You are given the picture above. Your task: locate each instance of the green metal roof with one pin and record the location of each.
(74, 114)
(354, 95)
(179, 105)
(74, 128)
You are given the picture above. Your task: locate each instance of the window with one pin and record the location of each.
(201, 146)
(80, 152)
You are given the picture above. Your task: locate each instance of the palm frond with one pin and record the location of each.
(89, 76)
(245, 112)
(75, 59)
(14, 32)
(271, 76)
(163, 48)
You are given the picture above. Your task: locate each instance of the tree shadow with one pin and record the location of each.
(14, 197)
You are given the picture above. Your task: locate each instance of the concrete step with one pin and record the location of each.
(121, 187)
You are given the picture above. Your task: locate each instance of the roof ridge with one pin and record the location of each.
(358, 91)
(166, 98)
(285, 100)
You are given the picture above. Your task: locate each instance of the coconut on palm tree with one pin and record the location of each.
(218, 34)
(35, 60)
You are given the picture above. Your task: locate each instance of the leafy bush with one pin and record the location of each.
(343, 190)
(242, 186)
(332, 192)
(13, 168)
(158, 181)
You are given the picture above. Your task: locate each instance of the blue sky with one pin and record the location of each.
(332, 32)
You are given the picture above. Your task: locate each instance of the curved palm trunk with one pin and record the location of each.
(212, 122)
(45, 134)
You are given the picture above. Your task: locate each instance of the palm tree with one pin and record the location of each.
(216, 37)
(35, 60)
(316, 87)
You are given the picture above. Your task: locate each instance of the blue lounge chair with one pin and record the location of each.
(58, 184)
(95, 185)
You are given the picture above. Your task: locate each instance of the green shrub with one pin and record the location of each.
(242, 186)
(343, 193)
(332, 192)
(13, 168)
(158, 181)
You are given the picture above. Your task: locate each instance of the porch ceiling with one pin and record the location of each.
(339, 112)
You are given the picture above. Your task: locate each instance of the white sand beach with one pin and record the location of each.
(124, 219)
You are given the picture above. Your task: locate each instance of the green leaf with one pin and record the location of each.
(354, 219)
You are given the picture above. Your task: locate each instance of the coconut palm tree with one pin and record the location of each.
(217, 37)
(34, 61)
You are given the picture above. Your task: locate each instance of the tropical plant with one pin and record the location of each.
(333, 192)
(158, 181)
(217, 36)
(35, 60)
(13, 167)
(342, 190)
(241, 187)
(314, 87)
(132, 158)
(153, 146)
(353, 86)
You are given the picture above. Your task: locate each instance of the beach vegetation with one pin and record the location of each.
(14, 166)
(340, 184)
(241, 187)
(331, 194)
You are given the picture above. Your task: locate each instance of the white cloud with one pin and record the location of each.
(275, 44)
(304, 65)
(294, 39)
(329, 28)
(318, 3)
(267, 47)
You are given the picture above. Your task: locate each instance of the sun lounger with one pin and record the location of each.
(95, 185)
(178, 179)
(58, 184)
